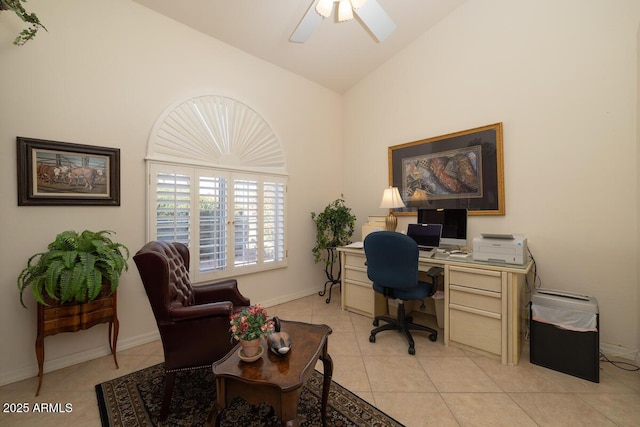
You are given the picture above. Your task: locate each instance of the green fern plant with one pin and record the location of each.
(334, 227)
(30, 18)
(74, 267)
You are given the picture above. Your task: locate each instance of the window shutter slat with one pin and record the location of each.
(173, 210)
(213, 224)
(245, 198)
(273, 221)
(233, 222)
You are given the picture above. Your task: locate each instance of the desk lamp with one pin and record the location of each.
(391, 199)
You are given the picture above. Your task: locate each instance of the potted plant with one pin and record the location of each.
(334, 226)
(249, 326)
(74, 268)
(30, 18)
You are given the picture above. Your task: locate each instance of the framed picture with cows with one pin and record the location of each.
(61, 174)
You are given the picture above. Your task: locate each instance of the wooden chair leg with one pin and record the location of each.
(114, 327)
(40, 357)
(169, 381)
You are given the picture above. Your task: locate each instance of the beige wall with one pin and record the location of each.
(638, 174)
(562, 78)
(101, 76)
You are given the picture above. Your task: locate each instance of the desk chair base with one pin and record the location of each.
(403, 324)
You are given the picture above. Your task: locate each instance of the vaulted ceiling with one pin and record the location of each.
(337, 55)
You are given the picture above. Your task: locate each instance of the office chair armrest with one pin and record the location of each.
(202, 311)
(220, 290)
(434, 272)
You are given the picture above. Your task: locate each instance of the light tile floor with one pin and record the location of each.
(439, 386)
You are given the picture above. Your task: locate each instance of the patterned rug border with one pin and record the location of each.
(121, 401)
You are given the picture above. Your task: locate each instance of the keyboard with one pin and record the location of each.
(426, 253)
(460, 255)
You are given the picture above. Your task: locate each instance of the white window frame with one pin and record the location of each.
(232, 268)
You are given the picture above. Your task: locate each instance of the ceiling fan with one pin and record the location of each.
(371, 14)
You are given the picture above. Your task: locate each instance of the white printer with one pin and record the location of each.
(507, 248)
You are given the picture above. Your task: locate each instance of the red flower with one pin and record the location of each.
(251, 323)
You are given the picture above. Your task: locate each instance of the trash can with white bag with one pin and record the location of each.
(564, 333)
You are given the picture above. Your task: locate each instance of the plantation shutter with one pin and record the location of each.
(172, 208)
(273, 221)
(245, 214)
(213, 222)
(233, 223)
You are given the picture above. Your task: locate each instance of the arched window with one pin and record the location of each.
(218, 183)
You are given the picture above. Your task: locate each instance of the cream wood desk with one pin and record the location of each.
(485, 304)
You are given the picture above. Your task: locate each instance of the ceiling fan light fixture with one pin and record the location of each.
(345, 11)
(370, 14)
(357, 3)
(324, 8)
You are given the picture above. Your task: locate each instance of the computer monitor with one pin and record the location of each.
(454, 224)
(427, 236)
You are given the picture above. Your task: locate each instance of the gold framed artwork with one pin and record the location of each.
(458, 170)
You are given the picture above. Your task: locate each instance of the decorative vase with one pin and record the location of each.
(250, 348)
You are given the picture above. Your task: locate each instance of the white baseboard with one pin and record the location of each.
(73, 359)
(290, 297)
(620, 351)
(94, 353)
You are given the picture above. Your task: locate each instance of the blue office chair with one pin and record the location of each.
(392, 266)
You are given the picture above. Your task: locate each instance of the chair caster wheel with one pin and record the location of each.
(412, 350)
(376, 322)
(433, 337)
(372, 338)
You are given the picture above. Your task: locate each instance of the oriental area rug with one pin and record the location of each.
(134, 400)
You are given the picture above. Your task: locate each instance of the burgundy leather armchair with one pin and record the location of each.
(193, 320)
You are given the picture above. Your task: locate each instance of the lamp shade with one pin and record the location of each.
(391, 198)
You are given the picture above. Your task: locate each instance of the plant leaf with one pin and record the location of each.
(66, 287)
(74, 267)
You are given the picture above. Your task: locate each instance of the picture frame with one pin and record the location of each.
(458, 170)
(56, 173)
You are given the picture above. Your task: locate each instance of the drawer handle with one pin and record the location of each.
(475, 291)
(475, 311)
(475, 271)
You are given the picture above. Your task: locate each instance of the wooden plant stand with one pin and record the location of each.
(72, 317)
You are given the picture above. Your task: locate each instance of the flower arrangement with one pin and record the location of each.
(251, 323)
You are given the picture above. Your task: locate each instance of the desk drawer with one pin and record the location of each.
(359, 275)
(355, 260)
(475, 298)
(359, 297)
(473, 278)
(476, 329)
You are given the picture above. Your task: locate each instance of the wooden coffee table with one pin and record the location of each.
(275, 379)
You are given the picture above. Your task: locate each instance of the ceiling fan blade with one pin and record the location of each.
(309, 22)
(376, 19)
